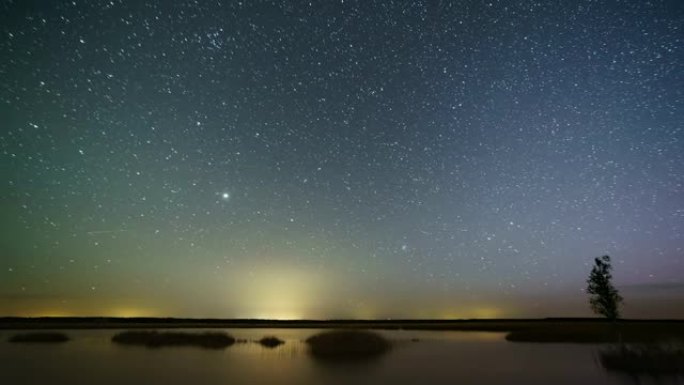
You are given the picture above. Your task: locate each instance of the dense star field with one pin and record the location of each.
(355, 159)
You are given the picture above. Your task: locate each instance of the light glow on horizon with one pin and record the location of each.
(417, 160)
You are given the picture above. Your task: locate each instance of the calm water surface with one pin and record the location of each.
(437, 358)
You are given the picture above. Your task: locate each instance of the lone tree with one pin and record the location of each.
(604, 298)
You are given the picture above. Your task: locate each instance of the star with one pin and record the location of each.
(437, 159)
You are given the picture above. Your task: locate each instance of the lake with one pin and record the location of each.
(438, 357)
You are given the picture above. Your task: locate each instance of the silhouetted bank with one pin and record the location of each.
(577, 330)
(599, 332)
(154, 339)
(347, 344)
(650, 360)
(271, 342)
(40, 337)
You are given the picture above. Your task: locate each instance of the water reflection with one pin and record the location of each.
(39, 337)
(438, 358)
(154, 339)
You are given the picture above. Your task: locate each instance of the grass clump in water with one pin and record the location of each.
(271, 342)
(40, 337)
(648, 359)
(155, 339)
(347, 344)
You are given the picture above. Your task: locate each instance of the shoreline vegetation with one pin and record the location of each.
(548, 330)
(600, 332)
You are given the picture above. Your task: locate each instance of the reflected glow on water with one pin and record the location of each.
(436, 357)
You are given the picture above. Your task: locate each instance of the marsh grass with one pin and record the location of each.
(598, 332)
(155, 339)
(39, 337)
(347, 345)
(271, 342)
(562, 335)
(646, 359)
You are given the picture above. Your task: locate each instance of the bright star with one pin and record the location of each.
(225, 196)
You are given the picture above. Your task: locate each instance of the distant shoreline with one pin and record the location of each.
(501, 325)
(546, 330)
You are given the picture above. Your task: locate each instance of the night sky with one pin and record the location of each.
(340, 159)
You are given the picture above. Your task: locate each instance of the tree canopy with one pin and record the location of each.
(603, 296)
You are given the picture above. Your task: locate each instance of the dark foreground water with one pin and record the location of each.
(437, 358)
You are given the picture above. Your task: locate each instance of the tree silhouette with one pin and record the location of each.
(604, 297)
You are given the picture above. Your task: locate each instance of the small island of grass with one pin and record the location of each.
(347, 344)
(271, 342)
(647, 359)
(155, 339)
(39, 337)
